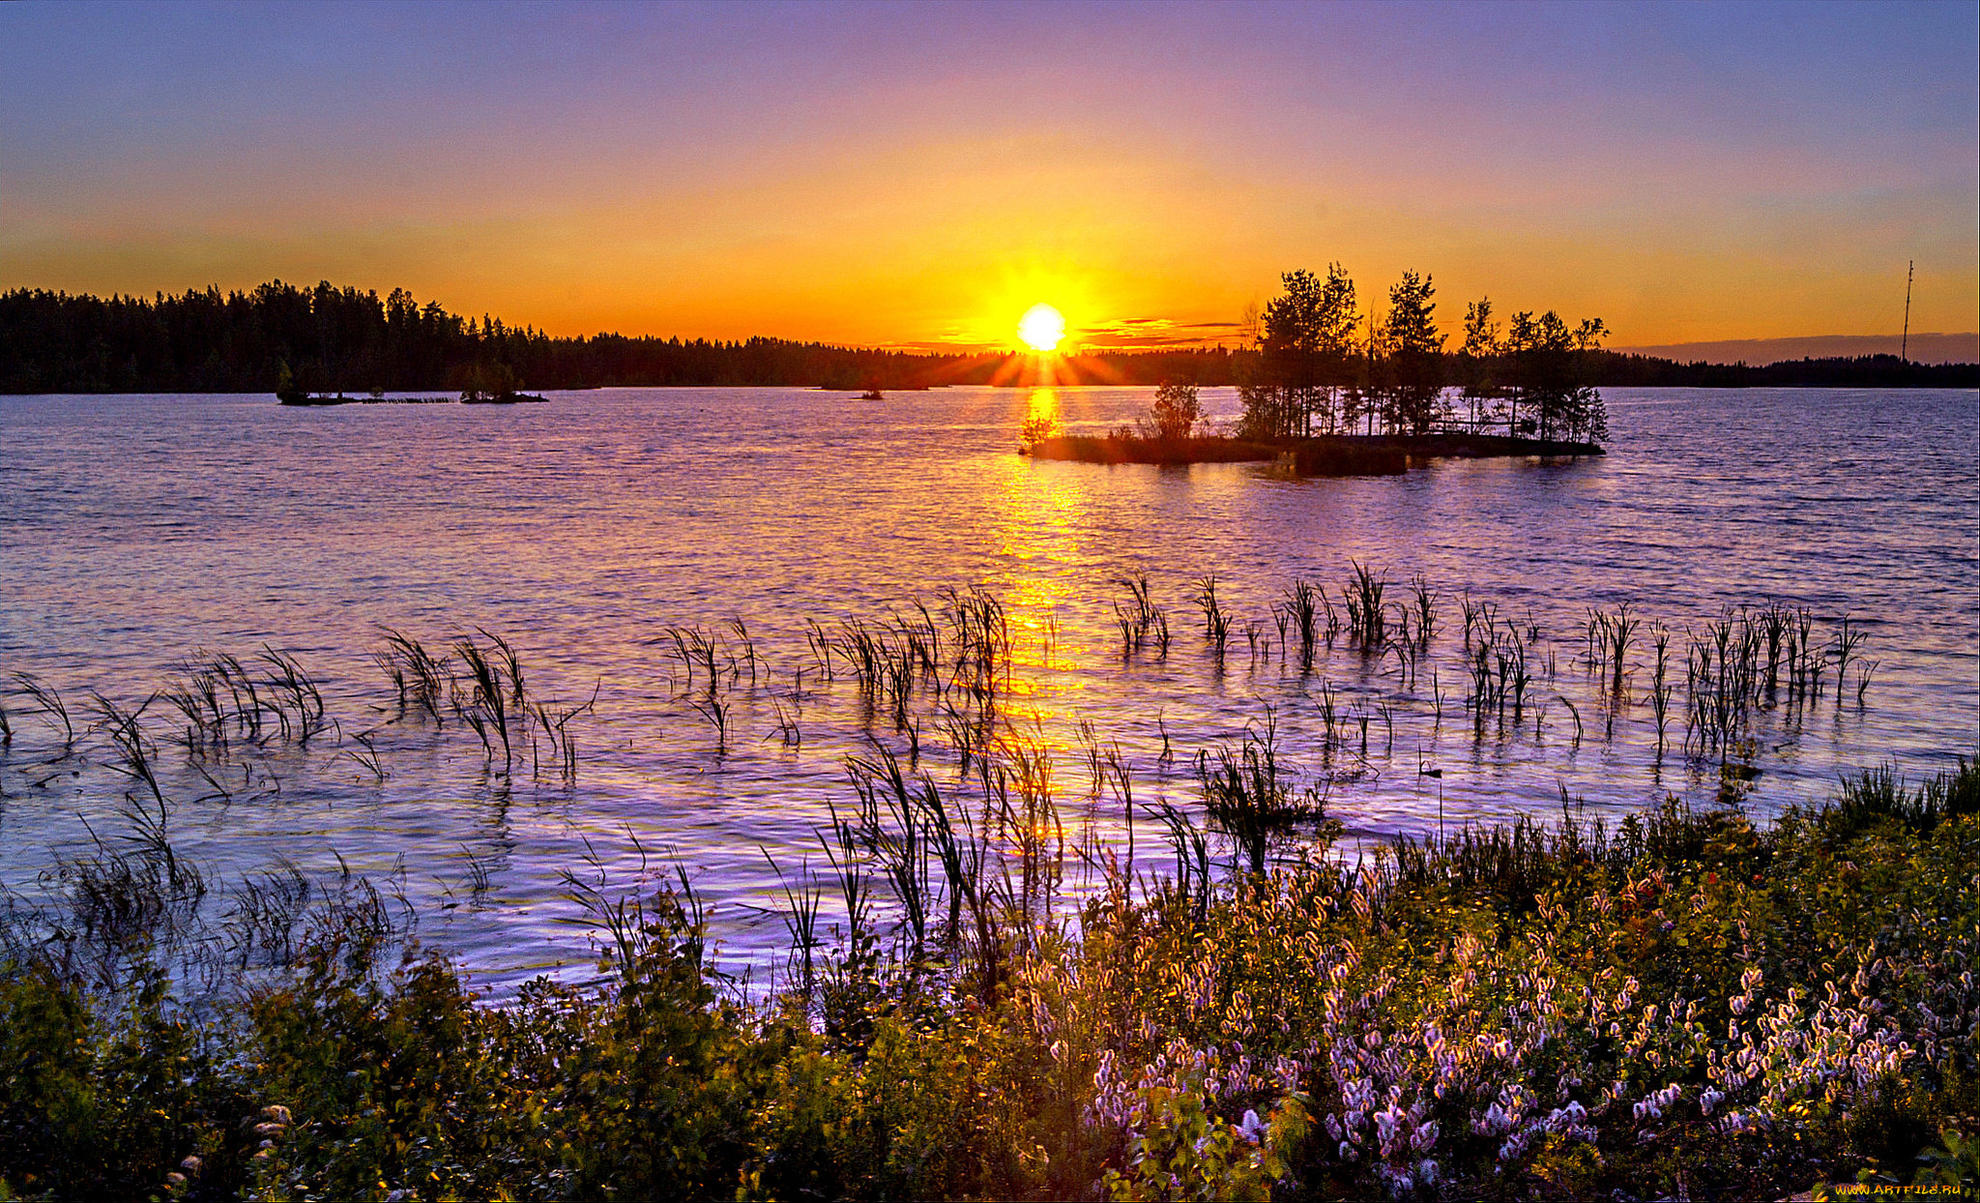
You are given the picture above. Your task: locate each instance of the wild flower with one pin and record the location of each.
(1251, 1128)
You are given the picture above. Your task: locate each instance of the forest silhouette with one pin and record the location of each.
(342, 339)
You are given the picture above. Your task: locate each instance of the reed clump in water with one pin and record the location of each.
(479, 682)
(1249, 794)
(1216, 619)
(49, 703)
(1140, 620)
(1298, 614)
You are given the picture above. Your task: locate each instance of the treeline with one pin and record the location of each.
(328, 339)
(1862, 371)
(331, 339)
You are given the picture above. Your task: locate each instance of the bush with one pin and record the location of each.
(1174, 415)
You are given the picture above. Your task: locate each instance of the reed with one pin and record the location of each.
(1216, 619)
(716, 709)
(1660, 684)
(1847, 642)
(1572, 710)
(265, 909)
(800, 919)
(1522, 862)
(1367, 619)
(126, 901)
(1501, 678)
(486, 703)
(1775, 623)
(1299, 610)
(366, 754)
(556, 726)
(841, 845)
(744, 658)
(891, 830)
(1425, 601)
(1406, 663)
(1020, 815)
(293, 689)
(1610, 636)
(1192, 881)
(819, 642)
(1118, 775)
(1249, 797)
(979, 633)
(135, 758)
(1877, 795)
(197, 698)
(1141, 621)
(50, 704)
(788, 718)
(423, 681)
(480, 876)
(701, 652)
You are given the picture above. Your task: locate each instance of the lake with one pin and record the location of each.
(139, 534)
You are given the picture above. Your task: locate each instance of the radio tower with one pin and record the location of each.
(1904, 341)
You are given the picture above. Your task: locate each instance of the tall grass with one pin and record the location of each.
(1250, 796)
(1140, 620)
(1367, 618)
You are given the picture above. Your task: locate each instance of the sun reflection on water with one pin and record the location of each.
(1041, 527)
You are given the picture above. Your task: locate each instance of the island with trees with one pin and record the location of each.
(1331, 390)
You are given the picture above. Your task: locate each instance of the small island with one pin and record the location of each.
(1322, 455)
(315, 400)
(480, 384)
(1322, 400)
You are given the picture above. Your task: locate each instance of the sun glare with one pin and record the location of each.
(1042, 327)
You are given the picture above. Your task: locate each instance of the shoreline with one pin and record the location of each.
(1324, 455)
(316, 402)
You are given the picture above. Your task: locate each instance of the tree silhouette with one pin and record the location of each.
(1478, 359)
(1548, 368)
(1305, 345)
(1412, 384)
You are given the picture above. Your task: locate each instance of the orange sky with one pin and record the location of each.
(894, 176)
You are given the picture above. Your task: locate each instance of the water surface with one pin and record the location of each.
(138, 531)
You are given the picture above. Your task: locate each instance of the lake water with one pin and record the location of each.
(139, 532)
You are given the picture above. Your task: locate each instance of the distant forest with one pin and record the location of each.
(342, 339)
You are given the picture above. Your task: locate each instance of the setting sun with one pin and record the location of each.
(1042, 327)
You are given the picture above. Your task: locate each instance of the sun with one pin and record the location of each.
(1042, 327)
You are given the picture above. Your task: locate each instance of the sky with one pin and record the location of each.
(921, 174)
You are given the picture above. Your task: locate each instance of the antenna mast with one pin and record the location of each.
(1904, 341)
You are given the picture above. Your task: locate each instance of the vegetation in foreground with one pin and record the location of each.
(1690, 1006)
